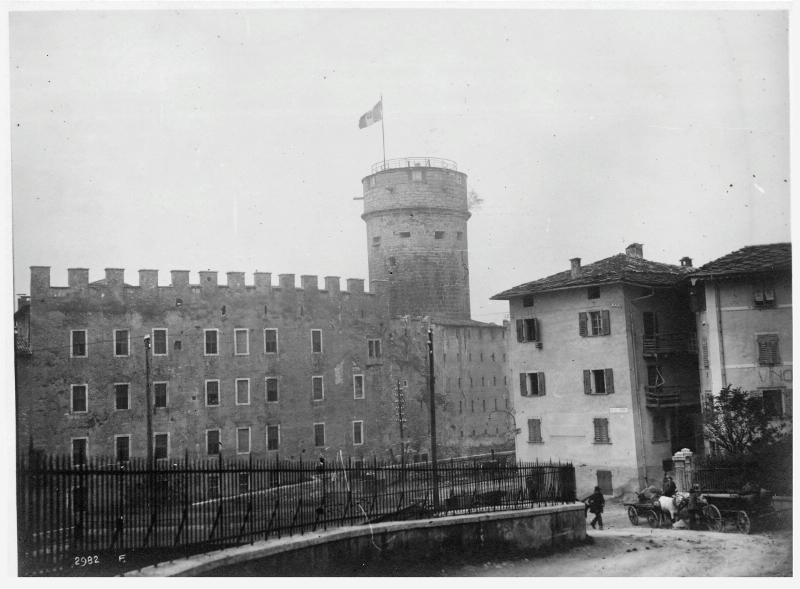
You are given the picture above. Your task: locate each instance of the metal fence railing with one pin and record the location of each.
(103, 517)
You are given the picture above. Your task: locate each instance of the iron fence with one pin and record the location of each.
(104, 517)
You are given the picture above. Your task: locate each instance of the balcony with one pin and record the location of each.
(657, 397)
(664, 344)
(413, 162)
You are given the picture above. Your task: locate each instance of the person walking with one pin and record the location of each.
(595, 503)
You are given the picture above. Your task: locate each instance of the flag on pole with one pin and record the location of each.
(371, 116)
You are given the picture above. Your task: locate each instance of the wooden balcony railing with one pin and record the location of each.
(670, 396)
(669, 343)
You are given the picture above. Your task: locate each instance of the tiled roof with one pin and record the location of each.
(618, 268)
(750, 259)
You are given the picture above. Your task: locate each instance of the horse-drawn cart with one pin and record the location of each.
(644, 508)
(744, 509)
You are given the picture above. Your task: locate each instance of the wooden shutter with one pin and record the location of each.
(609, 376)
(768, 350)
(606, 322)
(582, 319)
(540, 378)
(523, 384)
(520, 330)
(587, 382)
(535, 324)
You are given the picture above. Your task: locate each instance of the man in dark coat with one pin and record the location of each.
(596, 502)
(694, 507)
(669, 487)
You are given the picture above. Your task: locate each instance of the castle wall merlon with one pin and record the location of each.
(236, 280)
(208, 280)
(332, 285)
(78, 277)
(286, 282)
(355, 285)
(262, 281)
(180, 278)
(40, 280)
(309, 282)
(148, 279)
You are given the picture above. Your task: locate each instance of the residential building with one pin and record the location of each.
(743, 304)
(604, 369)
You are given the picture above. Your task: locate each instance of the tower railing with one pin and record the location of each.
(414, 162)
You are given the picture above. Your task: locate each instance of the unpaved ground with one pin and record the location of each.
(622, 550)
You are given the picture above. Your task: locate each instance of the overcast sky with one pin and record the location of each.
(228, 140)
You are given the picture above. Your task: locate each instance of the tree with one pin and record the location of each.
(736, 422)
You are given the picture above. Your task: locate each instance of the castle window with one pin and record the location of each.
(212, 393)
(79, 398)
(78, 343)
(317, 388)
(374, 349)
(213, 442)
(438, 234)
(593, 292)
(122, 341)
(358, 386)
(358, 433)
(160, 446)
(271, 384)
(242, 391)
(122, 396)
(212, 342)
(319, 434)
(316, 341)
(598, 382)
(159, 342)
(270, 341)
(376, 241)
(243, 440)
(405, 234)
(122, 448)
(160, 394)
(80, 447)
(241, 342)
(273, 437)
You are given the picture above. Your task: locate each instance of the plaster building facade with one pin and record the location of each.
(274, 370)
(604, 369)
(743, 303)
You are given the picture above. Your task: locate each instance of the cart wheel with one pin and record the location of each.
(743, 522)
(654, 519)
(713, 518)
(633, 515)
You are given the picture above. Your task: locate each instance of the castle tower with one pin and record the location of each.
(416, 215)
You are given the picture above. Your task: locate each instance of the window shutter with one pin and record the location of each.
(768, 350)
(587, 382)
(523, 384)
(787, 403)
(520, 330)
(540, 377)
(535, 323)
(582, 318)
(606, 322)
(609, 376)
(769, 295)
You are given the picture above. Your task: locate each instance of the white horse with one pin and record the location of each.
(672, 505)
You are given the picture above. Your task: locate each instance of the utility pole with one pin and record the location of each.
(149, 407)
(431, 389)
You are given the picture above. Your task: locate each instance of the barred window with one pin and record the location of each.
(273, 437)
(121, 342)
(212, 342)
(319, 434)
(317, 389)
(270, 341)
(122, 397)
(159, 342)
(272, 389)
(160, 446)
(78, 341)
(160, 391)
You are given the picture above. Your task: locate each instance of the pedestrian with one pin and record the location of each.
(694, 506)
(595, 503)
(669, 487)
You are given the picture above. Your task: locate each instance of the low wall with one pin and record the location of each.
(539, 529)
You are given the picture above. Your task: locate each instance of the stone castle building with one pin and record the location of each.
(270, 370)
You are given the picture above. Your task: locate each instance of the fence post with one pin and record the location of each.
(682, 463)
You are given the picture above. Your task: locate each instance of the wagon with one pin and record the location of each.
(744, 509)
(646, 509)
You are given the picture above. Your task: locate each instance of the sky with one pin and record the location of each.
(228, 139)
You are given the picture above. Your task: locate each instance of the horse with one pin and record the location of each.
(672, 505)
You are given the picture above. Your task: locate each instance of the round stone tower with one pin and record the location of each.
(416, 214)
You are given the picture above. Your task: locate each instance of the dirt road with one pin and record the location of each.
(622, 550)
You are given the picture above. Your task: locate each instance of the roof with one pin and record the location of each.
(749, 260)
(619, 268)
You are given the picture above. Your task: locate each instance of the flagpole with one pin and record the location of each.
(383, 134)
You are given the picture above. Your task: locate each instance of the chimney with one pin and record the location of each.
(686, 262)
(575, 268)
(634, 250)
